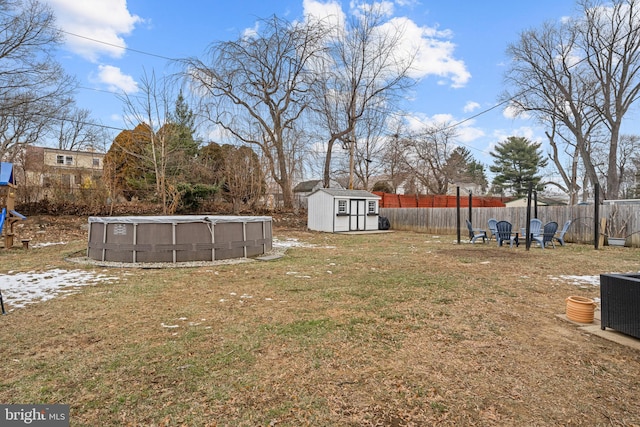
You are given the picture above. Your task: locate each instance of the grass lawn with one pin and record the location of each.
(347, 330)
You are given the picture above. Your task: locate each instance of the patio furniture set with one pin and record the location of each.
(503, 231)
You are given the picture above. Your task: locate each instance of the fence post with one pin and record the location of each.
(528, 226)
(596, 215)
(458, 212)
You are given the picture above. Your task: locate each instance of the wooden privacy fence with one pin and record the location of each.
(389, 200)
(623, 220)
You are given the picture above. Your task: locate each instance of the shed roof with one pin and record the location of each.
(341, 192)
(6, 173)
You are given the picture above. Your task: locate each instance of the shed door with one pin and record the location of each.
(357, 215)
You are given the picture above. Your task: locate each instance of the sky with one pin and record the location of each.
(462, 63)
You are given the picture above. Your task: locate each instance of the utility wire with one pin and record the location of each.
(118, 46)
(142, 52)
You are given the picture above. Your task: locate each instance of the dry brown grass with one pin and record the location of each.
(360, 330)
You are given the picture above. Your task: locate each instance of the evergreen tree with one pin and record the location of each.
(184, 121)
(462, 167)
(517, 162)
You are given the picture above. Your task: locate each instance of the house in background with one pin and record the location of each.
(542, 201)
(338, 210)
(47, 170)
(305, 188)
(465, 188)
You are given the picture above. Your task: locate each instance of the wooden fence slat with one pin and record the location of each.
(442, 220)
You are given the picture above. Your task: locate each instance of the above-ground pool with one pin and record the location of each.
(178, 238)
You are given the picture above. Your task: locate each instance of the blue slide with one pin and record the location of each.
(2, 217)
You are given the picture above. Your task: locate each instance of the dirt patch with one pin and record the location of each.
(43, 229)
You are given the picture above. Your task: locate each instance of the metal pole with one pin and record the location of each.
(596, 215)
(470, 206)
(2, 303)
(458, 212)
(528, 226)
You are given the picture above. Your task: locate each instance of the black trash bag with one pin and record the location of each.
(383, 223)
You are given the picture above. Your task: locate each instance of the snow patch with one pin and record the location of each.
(20, 289)
(579, 280)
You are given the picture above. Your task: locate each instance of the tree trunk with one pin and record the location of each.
(613, 178)
(326, 177)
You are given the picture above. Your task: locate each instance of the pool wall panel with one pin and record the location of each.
(177, 238)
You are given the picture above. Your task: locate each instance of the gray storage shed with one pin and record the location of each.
(338, 210)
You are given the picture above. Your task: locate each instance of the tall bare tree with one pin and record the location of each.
(241, 176)
(580, 77)
(365, 67)
(33, 86)
(611, 44)
(427, 153)
(395, 167)
(76, 130)
(256, 88)
(367, 159)
(150, 114)
(549, 81)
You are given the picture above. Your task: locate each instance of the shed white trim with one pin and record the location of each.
(339, 210)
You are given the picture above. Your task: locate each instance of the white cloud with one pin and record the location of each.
(511, 111)
(523, 131)
(329, 12)
(251, 32)
(103, 20)
(115, 80)
(470, 106)
(467, 133)
(434, 53)
(403, 3)
(384, 8)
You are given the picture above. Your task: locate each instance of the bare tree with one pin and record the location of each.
(241, 176)
(257, 89)
(370, 149)
(152, 107)
(611, 44)
(33, 86)
(628, 149)
(395, 167)
(76, 130)
(427, 155)
(569, 173)
(551, 83)
(580, 77)
(365, 68)
(366, 161)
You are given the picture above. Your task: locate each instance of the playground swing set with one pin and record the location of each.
(8, 215)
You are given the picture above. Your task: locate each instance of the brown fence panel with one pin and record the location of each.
(408, 200)
(389, 200)
(425, 201)
(439, 201)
